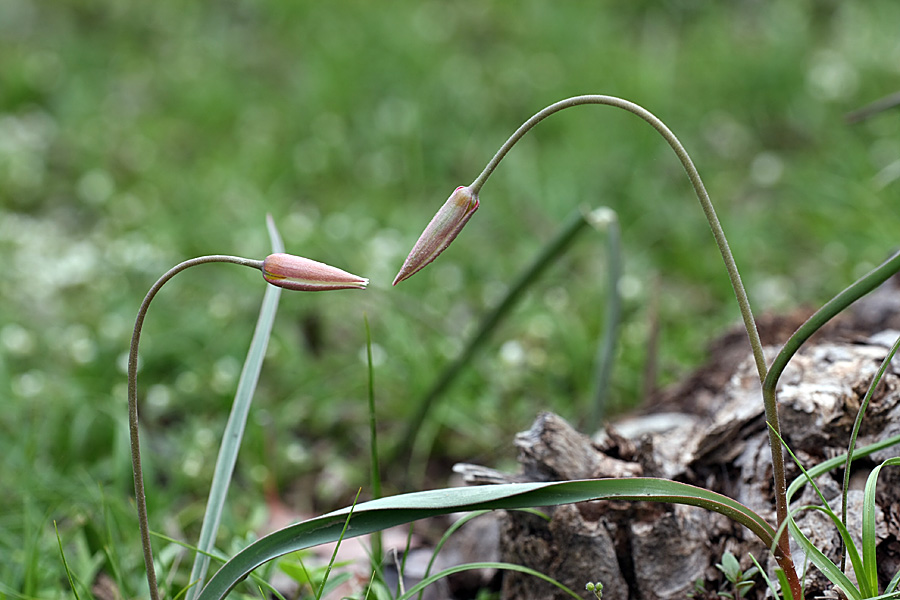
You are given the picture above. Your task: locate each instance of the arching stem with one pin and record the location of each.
(693, 175)
(733, 274)
(139, 494)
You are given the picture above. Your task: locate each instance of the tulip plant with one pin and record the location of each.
(279, 269)
(459, 208)
(301, 274)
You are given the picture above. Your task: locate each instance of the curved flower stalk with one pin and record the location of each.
(455, 213)
(282, 270)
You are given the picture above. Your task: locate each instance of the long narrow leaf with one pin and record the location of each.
(395, 510)
(785, 586)
(868, 523)
(821, 469)
(849, 546)
(858, 423)
(825, 466)
(450, 531)
(892, 586)
(65, 563)
(818, 558)
(237, 421)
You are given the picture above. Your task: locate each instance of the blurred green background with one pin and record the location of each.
(136, 135)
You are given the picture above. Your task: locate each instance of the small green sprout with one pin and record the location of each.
(741, 580)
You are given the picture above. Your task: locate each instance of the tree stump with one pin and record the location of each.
(710, 431)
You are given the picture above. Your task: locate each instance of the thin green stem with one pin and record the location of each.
(693, 175)
(730, 266)
(139, 493)
(377, 547)
(851, 294)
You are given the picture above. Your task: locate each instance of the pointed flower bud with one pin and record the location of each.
(305, 275)
(443, 229)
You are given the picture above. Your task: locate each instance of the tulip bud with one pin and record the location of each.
(305, 275)
(443, 229)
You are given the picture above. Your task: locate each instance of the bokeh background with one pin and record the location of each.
(134, 135)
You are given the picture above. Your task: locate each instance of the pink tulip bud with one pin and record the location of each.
(305, 275)
(442, 230)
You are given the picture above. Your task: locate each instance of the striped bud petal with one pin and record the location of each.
(442, 230)
(305, 275)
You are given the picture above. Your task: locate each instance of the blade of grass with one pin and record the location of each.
(819, 559)
(337, 547)
(892, 586)
(455, 526)
(212, 556)
(845, 488)
(785, 588)
(832, 463)
(237, 421)
(395, 510)
(402, 569)
(112, 558)
(62, 555)
(446, 536)
(868, 524)
(823, 468)
(785, 585)
(377, 552)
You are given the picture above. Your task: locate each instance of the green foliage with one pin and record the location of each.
(133, 135)
(741, 580)
(234, 428)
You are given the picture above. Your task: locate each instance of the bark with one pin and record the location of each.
(710, 431)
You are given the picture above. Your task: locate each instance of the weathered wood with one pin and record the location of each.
(713, 435)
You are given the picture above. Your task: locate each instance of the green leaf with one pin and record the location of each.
(824, 467)
(783, 582)
(237, 421)
(387, 512)
(858, 423)
(868, 524)
(730, 566)
(818, 558)
(820, 469)
(892, 586)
